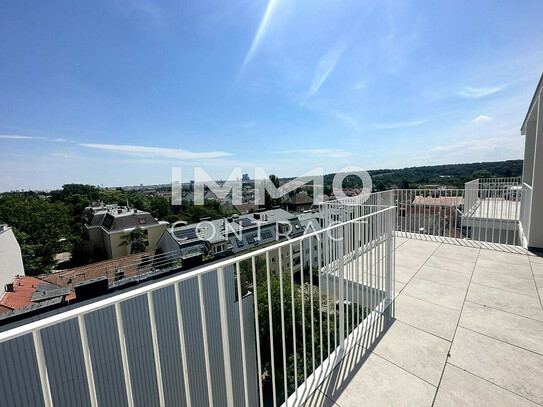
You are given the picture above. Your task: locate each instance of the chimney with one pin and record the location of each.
(9, 288)
(119, 211)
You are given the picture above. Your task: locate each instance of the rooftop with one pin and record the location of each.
(465, 329)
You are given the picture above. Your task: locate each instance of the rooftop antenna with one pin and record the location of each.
(127, 207)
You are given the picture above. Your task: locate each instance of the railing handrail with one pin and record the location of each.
(135, 292)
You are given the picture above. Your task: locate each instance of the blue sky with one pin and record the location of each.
(118, 92)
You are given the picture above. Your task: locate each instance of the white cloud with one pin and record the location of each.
(326, 65)
(322, 152)
(470, 92)
(491, 149)
(359, 85)
(16, 137)
(482, 118)
(400, 125)
(157, 151)
(264, 23)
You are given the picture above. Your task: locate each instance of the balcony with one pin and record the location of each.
(398, 304)
(465, 330)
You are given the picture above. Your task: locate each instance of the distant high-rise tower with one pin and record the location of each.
(245, 178)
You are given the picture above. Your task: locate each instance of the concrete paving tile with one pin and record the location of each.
(404, 260)
(418, 352)
(372, 381)
(460, 388)
(520, 269)
(507, 301)
(445, 277)
(457, 252)
(503, 257)
(517, 284)
(458, 265)
(515, 330)
(403, 274)
(537, 268)
(417, 248)
(508, 366)
(431, 318)
(439, 294)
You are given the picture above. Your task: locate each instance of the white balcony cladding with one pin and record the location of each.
(65, 360)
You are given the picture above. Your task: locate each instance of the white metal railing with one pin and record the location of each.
(486, 211)
(275, 332)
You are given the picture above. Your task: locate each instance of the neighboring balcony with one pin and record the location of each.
(398, 305)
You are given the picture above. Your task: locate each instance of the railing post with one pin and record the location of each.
(341, 293)
(389, 259)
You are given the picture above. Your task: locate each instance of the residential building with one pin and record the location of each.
(532, 175)
(11, 264)
(107, 225)
(300, 202)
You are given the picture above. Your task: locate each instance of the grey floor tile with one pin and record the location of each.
(366, 379)
(508, 366)
(458, 265)
(537, 268)
(445, 277)
(502, 257)
(460, 388)
(521, 269)
(522, 285)
(516, 330)
(439, 294)
(508, 301)
(416, 351)
(431, 318)
(406, 261)
(457, 252)
(403, 274)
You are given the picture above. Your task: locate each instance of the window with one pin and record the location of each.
(288, 266)
(287, 253)
(272, 261)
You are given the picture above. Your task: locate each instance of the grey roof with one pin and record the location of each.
(221, 230)
(128, 221)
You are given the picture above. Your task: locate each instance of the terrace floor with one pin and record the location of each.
(465, 330)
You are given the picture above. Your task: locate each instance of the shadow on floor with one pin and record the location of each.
(341, 377)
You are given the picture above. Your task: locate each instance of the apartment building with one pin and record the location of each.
(107, 224)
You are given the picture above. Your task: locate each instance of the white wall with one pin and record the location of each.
(11, 261)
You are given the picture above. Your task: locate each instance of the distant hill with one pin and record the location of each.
(448, 174)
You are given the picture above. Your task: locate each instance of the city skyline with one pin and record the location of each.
(117, 94)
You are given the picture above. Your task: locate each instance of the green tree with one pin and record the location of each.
(136, 240)
(42, 229)
(160, 208)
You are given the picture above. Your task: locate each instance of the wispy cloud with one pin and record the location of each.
(482, 118)
(144, 151)
(16, 137)
(142, 8)
(326, 65)
(359, 85)
(264, 24)
(322, 152)
(470, 92)
(400, 125)
(491, 149)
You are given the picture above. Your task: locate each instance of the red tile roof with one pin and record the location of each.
(4, 309)
(23, 288)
